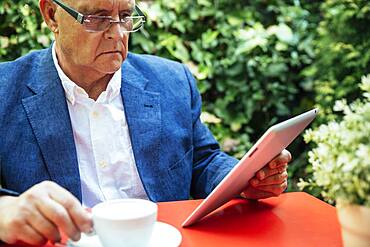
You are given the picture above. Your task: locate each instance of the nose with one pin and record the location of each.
(114, 32)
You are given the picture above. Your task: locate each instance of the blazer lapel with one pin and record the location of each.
(48, 115)
(143, 114)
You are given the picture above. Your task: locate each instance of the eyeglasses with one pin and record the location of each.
(97, 23)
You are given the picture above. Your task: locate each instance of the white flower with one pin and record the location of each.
(341, 158)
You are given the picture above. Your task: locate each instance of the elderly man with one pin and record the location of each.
(85, 121)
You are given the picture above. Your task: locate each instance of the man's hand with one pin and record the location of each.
(271, 180)
(37, 215)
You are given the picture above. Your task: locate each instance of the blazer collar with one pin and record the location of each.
(46, 77)
(132, 75)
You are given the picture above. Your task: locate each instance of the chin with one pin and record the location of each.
(110, 70)
(110, 67)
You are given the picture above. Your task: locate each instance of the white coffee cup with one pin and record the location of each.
(125, 222)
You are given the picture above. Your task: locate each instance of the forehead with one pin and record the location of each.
(94, 5)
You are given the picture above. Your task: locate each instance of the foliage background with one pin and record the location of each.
(257, 62)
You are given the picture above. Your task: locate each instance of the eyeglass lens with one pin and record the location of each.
(96, 23)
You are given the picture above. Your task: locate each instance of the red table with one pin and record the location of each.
(292, 219)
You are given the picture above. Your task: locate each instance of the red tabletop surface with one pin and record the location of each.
(292, 219)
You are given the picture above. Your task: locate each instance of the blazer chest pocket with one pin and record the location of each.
(188, 155)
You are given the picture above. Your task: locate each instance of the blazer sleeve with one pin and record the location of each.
(1, 176)
(210, 164)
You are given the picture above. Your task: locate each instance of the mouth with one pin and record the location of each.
(110, 52)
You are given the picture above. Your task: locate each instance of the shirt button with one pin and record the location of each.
(80, 90)
(95, 114)
(103, 164)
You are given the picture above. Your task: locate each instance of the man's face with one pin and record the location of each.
(102, 52)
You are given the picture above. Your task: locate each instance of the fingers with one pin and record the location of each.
(63, 210)
(255, 194)
(271, 180)
(36, 216)
(275, 189)
(277, 165)
(278, 178)
(31, 236)
(57, 214)
(282, 159)
(266, 171)
(80, 217)
(43, 226)
(16, 224)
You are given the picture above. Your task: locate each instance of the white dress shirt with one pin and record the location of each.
(105, 157)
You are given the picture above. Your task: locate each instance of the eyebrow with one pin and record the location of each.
(87, 10)
(90, 11)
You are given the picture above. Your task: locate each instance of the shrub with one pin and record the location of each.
(340, 159)
(21, 29)
(342, 54)
(247, 58)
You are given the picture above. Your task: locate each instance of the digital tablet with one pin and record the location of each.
(272, 143)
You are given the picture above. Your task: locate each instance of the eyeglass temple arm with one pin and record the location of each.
(78, 16)
(140, 12)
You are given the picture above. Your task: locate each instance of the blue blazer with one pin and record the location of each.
(176, 155)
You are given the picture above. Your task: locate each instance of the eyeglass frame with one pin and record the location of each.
(80, 18)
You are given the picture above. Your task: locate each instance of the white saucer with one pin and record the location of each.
(164, 235)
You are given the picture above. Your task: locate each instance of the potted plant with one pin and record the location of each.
(341, 166)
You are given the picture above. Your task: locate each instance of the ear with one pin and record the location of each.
(48, 10)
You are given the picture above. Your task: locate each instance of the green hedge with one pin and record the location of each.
(248, 60)
(342, 57)
(342, 53)
(256, 63)
(21, 29)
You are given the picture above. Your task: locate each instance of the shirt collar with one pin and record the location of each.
(74, 92)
